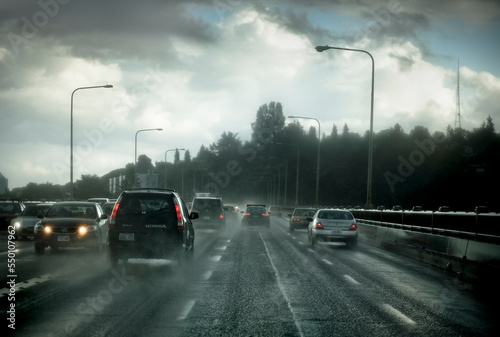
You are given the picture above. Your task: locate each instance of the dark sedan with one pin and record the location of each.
(72, 224)
(256, 215)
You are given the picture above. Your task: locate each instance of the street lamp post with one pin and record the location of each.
(135, 155)
(370, 142)
(166, 164)
(297, 174)
(71, 133)
(317, 164)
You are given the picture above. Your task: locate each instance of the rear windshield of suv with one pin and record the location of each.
(200, 204)
(146, 203)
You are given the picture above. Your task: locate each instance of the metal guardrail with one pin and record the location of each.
(483, 227)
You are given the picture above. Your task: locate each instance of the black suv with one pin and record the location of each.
(150, 223)
(210, 211)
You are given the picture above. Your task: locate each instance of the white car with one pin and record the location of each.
(333, 225)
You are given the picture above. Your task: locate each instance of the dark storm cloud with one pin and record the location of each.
(103, 29)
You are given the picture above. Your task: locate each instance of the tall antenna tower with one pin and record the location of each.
(457, 113)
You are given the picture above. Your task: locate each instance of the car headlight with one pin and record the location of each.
(82, 230)
(47, 229)
(17, 224)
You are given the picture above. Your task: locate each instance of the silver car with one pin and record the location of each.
(333, 225)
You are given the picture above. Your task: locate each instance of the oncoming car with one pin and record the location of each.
(72, 224)
(24, 224)
(333, 225)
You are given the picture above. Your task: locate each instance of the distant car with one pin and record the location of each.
(9, 209)
(100, 201)
(333, 225)
(274, 211)
(72, 224)
(108, 207)
(210, 212)
(417, 208)
(397, 208)
(256, 215)
(230, 212)
(151, 223)
(24, 224)
(298, 219)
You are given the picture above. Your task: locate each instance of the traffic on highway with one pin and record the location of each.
(249, 168)
(242, 280)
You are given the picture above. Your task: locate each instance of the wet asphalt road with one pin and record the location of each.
(242, 282)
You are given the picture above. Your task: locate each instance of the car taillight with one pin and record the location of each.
(246, 214)
(295, 220)
(180, 223)
(353, 227)
(113, 216)
(319, 225)
(265, 214)
(221, 216)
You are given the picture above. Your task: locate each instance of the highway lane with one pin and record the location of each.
(246, 282)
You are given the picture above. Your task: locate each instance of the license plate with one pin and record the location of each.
(126, 237)
(64, 238)
(31, 237)
(206, 217)
(336, 231)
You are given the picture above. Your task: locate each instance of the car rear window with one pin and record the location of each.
(256, 210)
(335, 215)
(305, 212)
(146, 204)
(205, 203)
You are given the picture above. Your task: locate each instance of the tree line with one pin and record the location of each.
(278, 165)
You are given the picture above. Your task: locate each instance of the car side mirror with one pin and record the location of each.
(104, 216)
(309, 219)
(194, 215)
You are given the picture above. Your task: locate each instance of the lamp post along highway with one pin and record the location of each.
(317, 164)
(72, 187)
(135, 155)
(370, 141)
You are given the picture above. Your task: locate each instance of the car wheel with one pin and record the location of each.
(292, 228)
(312, 240)
(39, 248)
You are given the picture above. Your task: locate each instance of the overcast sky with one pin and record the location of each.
(199, 68)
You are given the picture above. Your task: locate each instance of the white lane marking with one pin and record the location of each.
(216, 258)
(311, 250)
(206, 275)
(187, 309)
(221, 248)
(399, 315)
(282, 289)
(350, 279)
(327, 262)
(37, 280)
